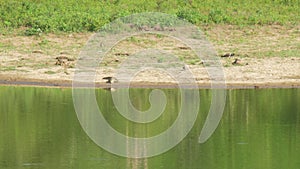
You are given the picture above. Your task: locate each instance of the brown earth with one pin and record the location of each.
(269, 56)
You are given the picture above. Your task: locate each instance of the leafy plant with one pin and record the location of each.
(33, 31)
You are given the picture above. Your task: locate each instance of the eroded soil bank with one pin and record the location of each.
(268, 56)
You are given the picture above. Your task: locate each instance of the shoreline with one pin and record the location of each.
(136, 84)
(264, 57)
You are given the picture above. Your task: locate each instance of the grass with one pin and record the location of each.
(282, 53)
(8, 68)
(37, 17)
(49, 72)
(4, 47)
(40, 65)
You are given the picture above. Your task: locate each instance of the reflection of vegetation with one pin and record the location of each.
(139, 99)
(39, 128)
(259, 129)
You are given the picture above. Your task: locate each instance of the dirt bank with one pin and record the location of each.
(267, 57)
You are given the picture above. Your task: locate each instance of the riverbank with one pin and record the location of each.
(268, 56)
(259, 73)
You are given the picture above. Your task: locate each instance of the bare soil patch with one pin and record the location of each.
(268, 56)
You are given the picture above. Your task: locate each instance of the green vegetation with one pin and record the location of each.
(34, 16)
(8, 68)
(50, 72)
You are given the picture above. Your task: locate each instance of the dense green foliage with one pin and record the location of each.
(89, 15)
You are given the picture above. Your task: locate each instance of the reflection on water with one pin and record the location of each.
(259, 129)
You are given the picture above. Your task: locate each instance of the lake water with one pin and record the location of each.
(260, 129)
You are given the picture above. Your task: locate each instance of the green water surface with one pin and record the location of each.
(260, 129)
